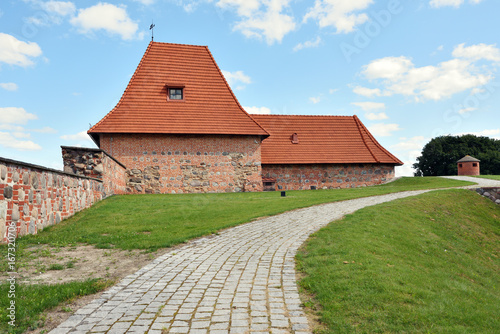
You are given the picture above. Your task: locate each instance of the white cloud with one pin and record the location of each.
(315, 99)
(413, 144)
(400, 76)
(344, 15)
(46, 129)
(62, 8)
(308, 44)
(408, 150)
(376, 117)
(10, 86)
(21, 134)
(367, 92)
(368, 106)
(333, 90)
(258, 110)
(110, 18)
(11, 115)
(389, 68)
(451, 3)
(77, 137)
(261, 18)
(146, 2)
(7, 140)
(466, 110)
(235, 78)
(383, 130)
(16, 52)
(443, 3)
(493, 133)
(477, 52)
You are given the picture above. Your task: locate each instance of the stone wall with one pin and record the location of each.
(96, 163)
(491, 193)
(36, 197)
(187, 163)
(327, 176)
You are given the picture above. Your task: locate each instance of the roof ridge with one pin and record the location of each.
(231, 91)
(276, 115)
(126, 89)
(357, 121)
(376, 142)
(180, 44)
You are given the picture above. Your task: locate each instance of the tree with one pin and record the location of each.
(440, 155)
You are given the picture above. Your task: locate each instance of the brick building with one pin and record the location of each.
(179, 128)
(468, 166)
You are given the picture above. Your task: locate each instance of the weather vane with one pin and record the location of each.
(151, 27)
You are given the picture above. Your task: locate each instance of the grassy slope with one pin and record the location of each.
(426, 264)
(491, 177)
(157, 221)
(32, 300)
(154, 221)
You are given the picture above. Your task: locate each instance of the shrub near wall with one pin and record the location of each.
(35, 197)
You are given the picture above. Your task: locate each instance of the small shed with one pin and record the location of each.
(468, 166)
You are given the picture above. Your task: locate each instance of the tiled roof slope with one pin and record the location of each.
(209, 105)
(321, 139)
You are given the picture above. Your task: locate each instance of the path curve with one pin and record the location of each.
(240, 281)
(480, 181)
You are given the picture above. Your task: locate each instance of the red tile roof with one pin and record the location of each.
(321, 139)
(209, 105)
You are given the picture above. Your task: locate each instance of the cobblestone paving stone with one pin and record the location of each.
(240, 281)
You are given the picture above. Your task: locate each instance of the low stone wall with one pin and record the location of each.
(96, 163)
(491, 193)
(327, 176)
(35, 197)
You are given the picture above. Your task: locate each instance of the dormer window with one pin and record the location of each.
(176, 94)
(175, 91)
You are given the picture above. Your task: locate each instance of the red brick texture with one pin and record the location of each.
(327, 176)
(158, 163)
(34, 197)
(468, 168)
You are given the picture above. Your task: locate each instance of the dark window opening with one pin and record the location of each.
(269, 186)
(474, 164)
(175, 94)
(460, 165)
(313, 187)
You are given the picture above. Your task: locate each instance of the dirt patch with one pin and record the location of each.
(44, 264)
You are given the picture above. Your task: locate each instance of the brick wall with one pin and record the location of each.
(327, 176)
(34, 197)
(187, 163)
(95, 163)
(468, 168)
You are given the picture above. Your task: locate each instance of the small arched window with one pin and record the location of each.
(295, 138)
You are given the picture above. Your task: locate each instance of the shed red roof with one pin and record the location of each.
(321, 139)
(209, 106)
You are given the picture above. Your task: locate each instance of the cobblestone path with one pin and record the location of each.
(240, 281)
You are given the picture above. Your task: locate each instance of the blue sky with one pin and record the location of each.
(411, 70)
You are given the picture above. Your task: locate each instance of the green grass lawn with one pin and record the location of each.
(32, 300)
(425, 264)
(151, 222)
(491, 177)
